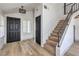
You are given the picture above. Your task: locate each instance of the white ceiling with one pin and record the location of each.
(12, 7)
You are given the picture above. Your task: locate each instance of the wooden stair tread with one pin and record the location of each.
(53, 37)
(56, 31)
(52, 43)
(54, 34)
(54, 40)
(59, 28)
(61, 20)
(61, 23)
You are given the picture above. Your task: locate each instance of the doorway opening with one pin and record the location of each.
(38, 29)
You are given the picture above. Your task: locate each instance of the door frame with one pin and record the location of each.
(6, 27)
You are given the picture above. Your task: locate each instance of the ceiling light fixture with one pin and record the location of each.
(22, 10)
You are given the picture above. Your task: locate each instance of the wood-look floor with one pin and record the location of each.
(23, 48)
(74, 50)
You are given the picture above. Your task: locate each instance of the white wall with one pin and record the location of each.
(1, 29)
(51, 16)
(76, 23)
(38, 10)
(23, 17)
(77, 29)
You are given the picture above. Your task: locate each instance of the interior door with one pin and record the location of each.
(38, 30)
(13, 29)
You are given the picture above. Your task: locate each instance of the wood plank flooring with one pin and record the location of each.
(23, 48)
(74, 50)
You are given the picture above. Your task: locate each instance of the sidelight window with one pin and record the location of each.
(27, 26)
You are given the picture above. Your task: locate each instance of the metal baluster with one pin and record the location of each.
(58, 39)
(78, 5)
(74, 8)
(74, 32)
(64, 8)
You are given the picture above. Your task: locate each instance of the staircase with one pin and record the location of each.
(52, 41)
(58, 31)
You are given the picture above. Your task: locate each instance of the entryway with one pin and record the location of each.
(13, 29)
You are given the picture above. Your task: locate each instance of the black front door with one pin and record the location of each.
(13, 29)
(38, 30)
